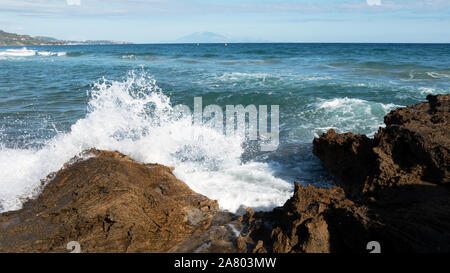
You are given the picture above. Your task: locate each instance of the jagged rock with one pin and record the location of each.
(348, 157)
(401, 175)
(110, 203)
(413, 151)
(241, 244)
(417, 138)
(393, 190)
(312, 221)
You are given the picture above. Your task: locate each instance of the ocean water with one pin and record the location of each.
(57, 101)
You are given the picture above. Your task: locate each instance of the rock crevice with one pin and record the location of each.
(109, 203)
(393, 189)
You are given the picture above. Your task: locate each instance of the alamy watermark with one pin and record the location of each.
(250, 121)
(74, 247)
(374, 247)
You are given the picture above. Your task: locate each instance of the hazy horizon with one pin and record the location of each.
(268, 21)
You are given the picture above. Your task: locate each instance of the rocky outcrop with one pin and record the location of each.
(412, 151)
(312, 221)
(110, 203)
(393, 189)
(402, 175)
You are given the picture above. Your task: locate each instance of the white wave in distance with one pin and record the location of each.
(24, 52)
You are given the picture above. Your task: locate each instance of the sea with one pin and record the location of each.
(57, 101)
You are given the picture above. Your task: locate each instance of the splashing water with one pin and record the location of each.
(134, 117)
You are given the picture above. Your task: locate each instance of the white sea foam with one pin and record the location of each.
(349, 114)
(24, 52)
(344, 103)
(133, 117)
(45, 53)
(50, 53)
(426, 90)
(239, 75)
(129, 56)
(316, 78)
(436, 75)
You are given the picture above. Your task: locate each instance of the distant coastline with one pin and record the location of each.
(13, 39)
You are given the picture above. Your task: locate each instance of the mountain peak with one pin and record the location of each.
(203, 37)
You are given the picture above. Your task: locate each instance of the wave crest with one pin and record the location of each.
(135, 118)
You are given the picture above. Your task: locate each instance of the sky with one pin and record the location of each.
(154, 21)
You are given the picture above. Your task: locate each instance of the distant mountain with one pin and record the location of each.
(211, 37)
(12, 39)
(203, 37)
(46, 38)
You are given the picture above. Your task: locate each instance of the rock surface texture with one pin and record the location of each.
(393, 189)
(110, 203)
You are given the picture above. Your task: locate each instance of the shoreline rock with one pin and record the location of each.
(413, 149)
(111, 203)
(393, 189)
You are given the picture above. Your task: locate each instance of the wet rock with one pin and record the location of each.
(313, 221)
(393, 189)
(110, 203)
(412, 152)
(402, 175)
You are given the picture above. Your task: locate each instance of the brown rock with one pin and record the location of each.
(401, 175)
(314, 221)
(394, 190)
(241, 244)
(110, 203)
(259, 248)
(413, 151)
(417, 139)
(347, 156)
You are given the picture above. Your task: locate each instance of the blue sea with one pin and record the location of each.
(57, 101)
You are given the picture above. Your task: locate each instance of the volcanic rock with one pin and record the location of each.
(393, 189)
(312, 221)
(110, 203)
(412, 151)
(402, 175)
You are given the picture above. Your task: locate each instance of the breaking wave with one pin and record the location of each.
(135, 117)
(24, 52)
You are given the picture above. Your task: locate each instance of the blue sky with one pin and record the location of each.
(153, 21)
